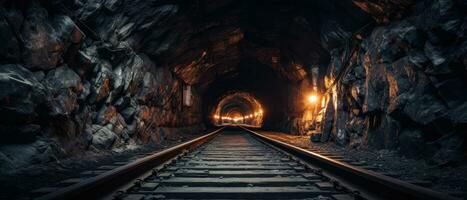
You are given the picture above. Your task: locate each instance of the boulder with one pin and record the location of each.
(63, 77)
(118, 82)
(87, 58)
(64, 84)
(46, 37)
(103, 137)
(101, 83)
(411, 95)
(376, 92)
(135, 72)
(105, 115)
(20, 94)
(381, 46)
(62, 103)
(408, 34)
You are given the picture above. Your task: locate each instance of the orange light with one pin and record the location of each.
(312, 98)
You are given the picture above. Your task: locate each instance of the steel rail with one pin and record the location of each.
(100, 185)
(372, 183)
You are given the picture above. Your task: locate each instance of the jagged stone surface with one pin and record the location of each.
(69, 66)
(68, 84)
(410, 86)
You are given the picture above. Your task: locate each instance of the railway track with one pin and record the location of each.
(236, 163)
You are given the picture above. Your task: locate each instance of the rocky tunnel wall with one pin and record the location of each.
(103, 74)
(403, 85)
(64, 91)
(396, 83)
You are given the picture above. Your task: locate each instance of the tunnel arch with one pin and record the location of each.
(238, 107)
(260, 80)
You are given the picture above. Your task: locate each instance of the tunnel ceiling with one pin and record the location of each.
(244, 102)
(203, 40)
(218, 46)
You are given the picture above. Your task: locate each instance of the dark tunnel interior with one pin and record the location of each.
(377, 83)
(253, 78)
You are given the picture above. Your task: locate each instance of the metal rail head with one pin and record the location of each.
(378, 185)
(100, 185)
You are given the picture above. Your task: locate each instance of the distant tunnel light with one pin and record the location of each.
(312, 98)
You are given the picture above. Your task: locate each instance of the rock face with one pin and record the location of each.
(45, 37)
(20, 93)
(403, 85)
(59, 82)
(104, 73)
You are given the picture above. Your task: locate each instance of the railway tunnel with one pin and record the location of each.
(376, 84)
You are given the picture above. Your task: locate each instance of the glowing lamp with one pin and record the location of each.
(312, 98)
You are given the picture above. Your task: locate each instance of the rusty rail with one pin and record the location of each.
(98, 186)
(372, 184)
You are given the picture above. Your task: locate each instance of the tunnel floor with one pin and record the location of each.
(450, 180)
(441, 178)
(22, 183)
(234, 165)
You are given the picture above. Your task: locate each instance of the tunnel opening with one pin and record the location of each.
(257, 80)
(238, 108)
(111, 74)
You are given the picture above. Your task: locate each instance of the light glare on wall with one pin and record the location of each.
(312, 98)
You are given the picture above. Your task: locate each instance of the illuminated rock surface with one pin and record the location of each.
(78, 76)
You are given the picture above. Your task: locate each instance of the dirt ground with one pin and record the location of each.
(19, 184)
(450, 179)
